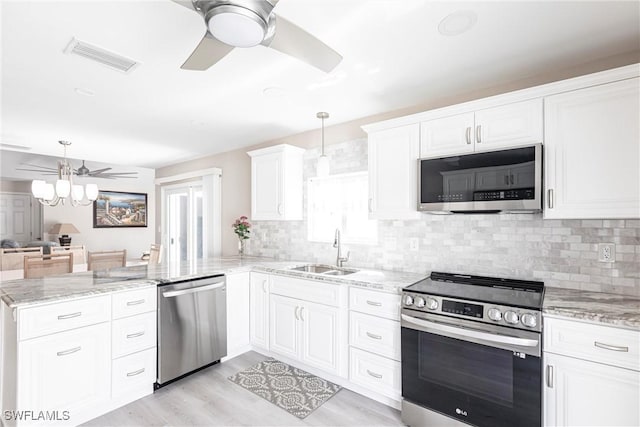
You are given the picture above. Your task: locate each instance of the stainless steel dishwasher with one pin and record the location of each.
(192, 327)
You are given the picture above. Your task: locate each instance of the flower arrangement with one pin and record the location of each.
(241, 227)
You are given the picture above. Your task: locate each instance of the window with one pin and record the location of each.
(340, 201)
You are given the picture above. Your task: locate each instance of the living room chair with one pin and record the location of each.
(106, 259)
(13, 258)
(79, 252)
(36, 266)
(155, 254)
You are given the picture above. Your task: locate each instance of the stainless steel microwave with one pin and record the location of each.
(486, 182)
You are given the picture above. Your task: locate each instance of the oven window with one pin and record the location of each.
(473, 369)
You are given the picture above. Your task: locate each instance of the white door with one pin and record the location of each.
(238, 313)
(259, 315)
(582, 393)
(284, 333)
(320, 336)
(509, 125)
(393, 168)
(184, 236)
(592, 153)
(448, 135)
(15, 217)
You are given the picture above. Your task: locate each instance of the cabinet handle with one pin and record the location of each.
(373, 374)
(468, 135)
(375, 337)
(479, 134)
(549, 376)
(550, 198)
(136, 335)
(279, 208)
(69, 316)
(264, 286)
(374, 303)
(295, 313)
(611, 347)
(301, 309)
(369, 206)
(136, 302)
(134, 373)
(511, 178)
(70, 351)
(506, 179)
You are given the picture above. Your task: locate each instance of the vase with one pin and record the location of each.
(241, 246)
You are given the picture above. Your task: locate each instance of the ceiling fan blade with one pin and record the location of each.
(186, 3)
(41, 172)
(296, 42)
(208, 52)
(43, 168)
(97, 171)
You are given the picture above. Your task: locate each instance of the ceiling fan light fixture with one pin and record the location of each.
(63, 188)
(236, 26)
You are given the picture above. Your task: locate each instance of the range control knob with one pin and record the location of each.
(419, 302)
(408, 300)
(529, 320)
(494, 314)
(432, 304)
(511, 317)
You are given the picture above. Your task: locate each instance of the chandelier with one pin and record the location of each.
(50, 195)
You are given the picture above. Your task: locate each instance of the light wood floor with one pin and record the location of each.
(208, 398)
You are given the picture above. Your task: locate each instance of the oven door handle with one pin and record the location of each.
(469, 333)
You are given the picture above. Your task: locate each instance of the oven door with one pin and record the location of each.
(484, 376)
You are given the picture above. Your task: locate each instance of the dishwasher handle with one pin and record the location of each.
(170, 294)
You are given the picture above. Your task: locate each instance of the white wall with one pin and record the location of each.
(134, 240)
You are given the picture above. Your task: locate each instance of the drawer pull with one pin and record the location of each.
(550, 376)
(70, 351)
(136, 335)
(373, 374)
(374, 303)
(134, 373)
(375, 337)
(611, 347)
(136, 302)
(69, 316)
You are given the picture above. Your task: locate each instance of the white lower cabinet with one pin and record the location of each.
(376, 373)
(68, 371)
(238, 314)
(133, 372)
(592, 374)
(259, 313)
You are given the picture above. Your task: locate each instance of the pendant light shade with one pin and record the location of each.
(323, 167)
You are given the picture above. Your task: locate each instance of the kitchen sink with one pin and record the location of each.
(329, 270)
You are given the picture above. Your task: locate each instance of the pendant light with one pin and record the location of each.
(323, 160)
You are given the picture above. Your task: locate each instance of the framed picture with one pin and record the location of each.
(115, 209)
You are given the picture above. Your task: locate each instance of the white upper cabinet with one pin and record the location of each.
(504, 126)
(592, 152)
(393, 172)
(276, 183)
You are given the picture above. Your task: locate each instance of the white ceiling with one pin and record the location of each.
(394, 57)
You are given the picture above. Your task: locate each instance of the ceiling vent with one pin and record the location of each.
(97, 54)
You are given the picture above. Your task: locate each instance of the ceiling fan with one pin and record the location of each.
(247, 23)
(82, 171)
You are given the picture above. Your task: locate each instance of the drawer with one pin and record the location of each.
(134, 302)
(376, 373)
(375, 334)
(307, 290)
(598, 343)
(376, 303)
(63, 316)
(132, 334)
(133, 371)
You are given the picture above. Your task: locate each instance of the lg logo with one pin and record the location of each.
(461, 412)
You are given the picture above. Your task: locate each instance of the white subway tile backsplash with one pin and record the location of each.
(562, 253)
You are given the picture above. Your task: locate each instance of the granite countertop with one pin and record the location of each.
(24, 292)
(609, 309)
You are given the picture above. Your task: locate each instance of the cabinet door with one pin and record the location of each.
(581, 393)
(592, 154)
(320, 336)
(65, 371)
(509, 125)
(449, 135)
(266, 187)
(259, 313)
(284, 334)
(238, 299)
(393, 172)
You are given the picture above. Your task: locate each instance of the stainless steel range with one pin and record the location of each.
(471, 351)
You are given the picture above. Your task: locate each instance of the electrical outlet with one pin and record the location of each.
(606, 252)
(414, 244)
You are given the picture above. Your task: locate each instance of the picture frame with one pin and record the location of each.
(117, 209)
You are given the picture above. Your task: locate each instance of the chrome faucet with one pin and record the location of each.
(336, 244)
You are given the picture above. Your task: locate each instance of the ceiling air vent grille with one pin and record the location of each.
(104, 57)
